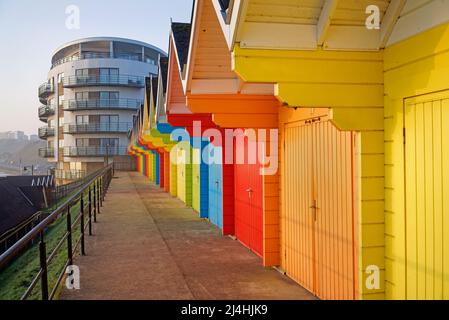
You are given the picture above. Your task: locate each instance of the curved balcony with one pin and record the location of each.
(75, 152)
(101, 55)
(105, 104)
(117, 127)
(89, 55)
(106, 80)
(45, 90)
(45, 112)
(46, 132)
(46, 152)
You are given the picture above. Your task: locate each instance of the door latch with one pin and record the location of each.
(314, 207)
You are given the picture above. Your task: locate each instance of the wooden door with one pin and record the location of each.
(426, 194)
(181, 174)
(196, 182)
(216, 190)
(319, 212)
(248, 186)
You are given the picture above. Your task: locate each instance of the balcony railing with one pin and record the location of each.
(104, 80)
(45, 90)
(45, 112)
(124, 104)
(46, 152)
(70, 174)
(101, 55)
(46, 132)
(95, 151)
(115, 127)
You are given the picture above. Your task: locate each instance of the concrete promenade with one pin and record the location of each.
(148, 245)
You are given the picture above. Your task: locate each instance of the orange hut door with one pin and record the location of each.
(319, 224)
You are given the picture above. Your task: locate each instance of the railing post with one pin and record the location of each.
(102, 188)
(69, 237)
(90, 211)
(95, 202)
(83, 251)
(90, 201)
(98, 196)
(43, 264)
(100, 184)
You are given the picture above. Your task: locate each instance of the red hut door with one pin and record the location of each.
(248, 200)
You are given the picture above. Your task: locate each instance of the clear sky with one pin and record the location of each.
(31, 30)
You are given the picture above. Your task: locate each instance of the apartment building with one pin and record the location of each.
(93, 88)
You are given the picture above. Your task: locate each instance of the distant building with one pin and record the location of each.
(13, 135)
(34, 137)
(93, 89)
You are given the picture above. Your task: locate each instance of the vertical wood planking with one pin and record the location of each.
(318, 166)
(426, 156)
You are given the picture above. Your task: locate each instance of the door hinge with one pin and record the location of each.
(404, 134)
(313, 120)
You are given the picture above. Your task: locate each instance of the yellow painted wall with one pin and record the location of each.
(181, 173)
(196, 183)
(414, 67)
(150, 166)
(173, 173)
(351, 84)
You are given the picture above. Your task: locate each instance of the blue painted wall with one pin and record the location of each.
(216, 189)
(158, 173)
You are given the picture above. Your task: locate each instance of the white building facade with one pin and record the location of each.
(94, 88)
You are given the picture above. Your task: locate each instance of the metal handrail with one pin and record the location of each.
(90, 197)
(100, 55)
(132, 104)
(95, 151)
(46, 110)
(46, 132)
(7, 235)
(109, 80)
(97, 127)
(45, 88)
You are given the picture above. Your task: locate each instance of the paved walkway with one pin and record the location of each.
(147, 245)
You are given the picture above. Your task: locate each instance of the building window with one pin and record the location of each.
(83, 142)
(109, 98)
(60, 77)
(82, 119)
(82, 96)
(82, 72)
(76, 166)
(110, 145)
(109, 75)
